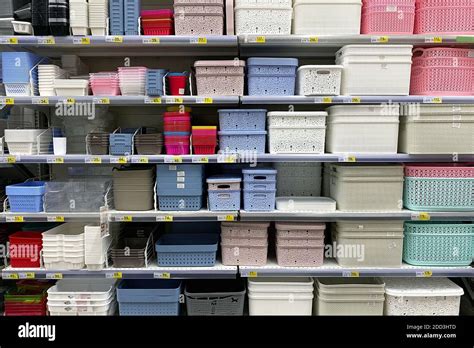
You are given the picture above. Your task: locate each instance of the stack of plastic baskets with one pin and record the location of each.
(388, 17)
(187, 250)
(442, 71)
(133, 188)
(98, 143)
(242, 130)
(25, 249)
(88, 297)
(296, 132)
(98, 14)
(180, 187)
(224, 192)
(58, 17)
(259, 189)
(244, 244)
(220, 77)
(149, 143)
(96, 247)
(427, 188)
(204, 140)
(299, 179)
(422, 296)
(374, 243)
(39, 17)
(154, 81)
(149, 297)
(177, 131)
(28, 141)
(20, 73)
(448, 17)
(134, 247)
(79, 17)
(105, 84)
(132, 80)
(300, 245)
(27, 298)
(121, 142)
(116, 14)
(438, 243)
(131, 11)
(203, 17)
(215, 297)
(277, 17)
(63, 247)
(349, 296)
(26, 197)
(157, 22)
(280, 296)
(271, 76)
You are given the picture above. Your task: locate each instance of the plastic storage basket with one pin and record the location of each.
(242, 119)
(235, 141)
(154, 81)
(388, 17)
(319, 80)
(116, 14)
(220, 77)
(299, 179)
(26, 197)
(271, 76)
(444, 17)
(215, 297)
(249, 14)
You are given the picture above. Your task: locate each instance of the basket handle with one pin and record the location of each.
(260, 186)
(323, 72)
(260, 177)
(418, 52)
(223, 186)
(223, 195)
(260, 195)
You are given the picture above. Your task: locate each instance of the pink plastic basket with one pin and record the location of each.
(244, 256)
(244, 230)
(443, 56)
(105, 90)
(243, 242)
(432, 171)
(285, 240)
(300, 256)
(444, 17)
(447, 80)
(388, 19)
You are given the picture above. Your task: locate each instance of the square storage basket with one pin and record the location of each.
(319, 80)
(242, 119)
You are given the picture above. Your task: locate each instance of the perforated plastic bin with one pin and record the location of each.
(319, 80)
(249, 14)
(262, 175)
(224, 200)
(131, 15)
(271, 76)
(259, 185)
(180, 203)
(259, 200)
(179, 170)
(438, 244)
(388, 17)
(242, 119)
(149, 297)
(26, 197)
(116, 14)
(215, 297)
(236, 141)
(154, 81)
(444, 17)
(187, 250)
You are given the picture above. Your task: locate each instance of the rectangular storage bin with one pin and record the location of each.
(187, 250)
(116, 14)
(438, 244)
(180, 189)
(198, 23)
(428, 296)
(296, 139)
(179, 170)
(244, 255)
(26, 197)
(262, 175)
(259, 185)
(242, 119)
(299, 256)
(259, 200)
(319, 80)
(215, 297)
(327, 17)
(154, 81)
(271, 76)
(249, 14)
(318, 204)
(384, 18)
(220, 77)
(367, 69)
(235, 141)
(131, 15)
(224, 200)
(299, 179)
(149, 297)
(180, 203)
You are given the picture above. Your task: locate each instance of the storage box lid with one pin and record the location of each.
(243, 133)
(219, 63)
(421, 287)
(272, 61)
(371, 50)
(259, 171)
(300, 226)
(320, 67)
(223, 179)
(297, 114)
(241, 110)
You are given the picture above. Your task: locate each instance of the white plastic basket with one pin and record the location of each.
(82, 289)
(67, 88)
(296, 119)
(280, 304)
(319, 80)
(22, 27)
(277, 19)
(28, 141)
(296, 139)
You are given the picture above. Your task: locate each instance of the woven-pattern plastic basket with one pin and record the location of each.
(241, 119)
(388, 18)
(438, 244)
(300, 256)
(444, 17)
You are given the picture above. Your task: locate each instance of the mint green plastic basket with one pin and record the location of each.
(438, 244)
(439, 194)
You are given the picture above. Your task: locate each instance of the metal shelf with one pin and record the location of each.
(331, 269)
(219, 271)
(368, 158)
(171, 216)
(48, 217)
(404, 215)
(302, 100)
(168, 45)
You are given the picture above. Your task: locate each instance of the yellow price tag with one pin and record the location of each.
(126, 218)
(46, 41)
(421, 216)
(115, 39)
(327, 100)
(380, 39)
(356, 100)
(260, 39)
(437, 100)
(313, 39)
(12, 276)
(163, 275)
(253, 274)
(15, 219)
(202, 40)
(102, 101)
(11, 159)
(173, 159)
(207, 100)
(117, 275)
(27, 275)
(70, 101)
(230, 159)
(143, 160)
(13, 41)
(229, 218)
(424, 274)
(55, 218)
(84, 41)
(122, 160)
(151, 40)
(40, 101)
(351, 158)
(199, 159)
(434, 39)
(168, 218)
(56, 160)
(93, 160)
(54, 276)
(351, 274)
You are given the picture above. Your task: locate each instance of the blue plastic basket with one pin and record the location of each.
(221, 200)
(131, 15)
(26, 197)
(149, 297)
(116, 15)
(179, 170)
(187, 250)
(154, 81)
(241, 119)
(16, 67)
(235, 141)
(271, 85)
(272, 66)
(180, 203)
(259, 200)
(438, 244)
(260, 185)
(445, 194)
(261, 175)
(120, 150)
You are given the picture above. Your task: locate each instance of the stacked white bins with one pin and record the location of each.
(96, 247)
(263, 17)
(63, 247)
(319, 80)
(349, 296)
(296, 132)
(422, 296)
(280, 296)
(437, 129)
(369, 243)
(98, 14)
(367, 187)
(79, 17)
(88, 297)
(298, 179)
(363, 129)
(375, 70)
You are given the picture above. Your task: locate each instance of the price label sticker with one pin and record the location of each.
(433, 100)
(55, 218)
(252, 274)
(54, 276)
(422, 216)
(323, 100)
(119, 160)
(200, 159)
(166, 218)
(260, 39)
(149, 100)
(351, 274)
(93, 160)
(114, 275)
(161, 275)
(141, 160)
(434, 39)
(40, 101)
(205, 100)
(348, 158)
(198, 40)
(7, 101)
(55, 160)
(26, 275)
(125, 218)
(11, 276)
(174, 100)
(81, 41)
(9, 41)
(227, 159)
(46, 41)
(69, 101)
(101, 101)
(226, 218)
(15, 218)
(151, 40)
(379, 39)
(424, 274)
(173, 159)
(356, 100)
(11, 159)
(114, 39)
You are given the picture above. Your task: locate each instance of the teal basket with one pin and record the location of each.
(438, 244)
(439, 194)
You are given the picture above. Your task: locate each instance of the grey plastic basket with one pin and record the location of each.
(215, 297)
